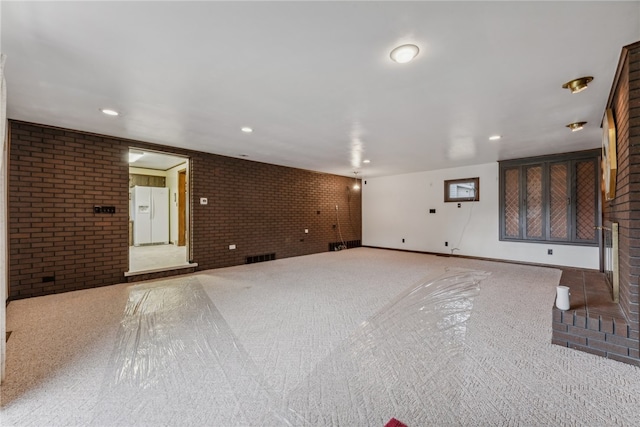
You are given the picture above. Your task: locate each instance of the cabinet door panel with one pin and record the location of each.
(559, 201)
(512, 203)
(534, 227)
(586, 204)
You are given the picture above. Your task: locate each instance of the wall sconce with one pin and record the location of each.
(577, 85)
(576, 126)
(356, 185)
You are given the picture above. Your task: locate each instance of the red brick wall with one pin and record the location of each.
(58, 175)
(263, 209)
(625, 208)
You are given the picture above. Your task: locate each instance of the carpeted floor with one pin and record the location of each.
(350, 338)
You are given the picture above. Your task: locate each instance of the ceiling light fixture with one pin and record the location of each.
(109, 112)
(356, 185)
(246, 129)
(577, 85)
(576, 126)
(405, 53)
(366, 161)
(494, 137)
(134, 156)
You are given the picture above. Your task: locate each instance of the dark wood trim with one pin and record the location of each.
(573, 155)
(475, 198)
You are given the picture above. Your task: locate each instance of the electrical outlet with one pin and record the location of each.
(402, 240)
(203, 200)
(432, 211)
(549, 251)
(446, 243)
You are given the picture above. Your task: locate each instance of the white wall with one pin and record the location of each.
(397, 207)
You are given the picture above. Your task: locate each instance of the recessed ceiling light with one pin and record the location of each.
(405, 53)
(494, 137)
(576, 126)
(243, 155)
(246, 129)
(577, 85)
(366, 161)
(109, 112)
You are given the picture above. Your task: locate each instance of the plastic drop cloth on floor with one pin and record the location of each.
(176, 361)
(395, 364)
(175, 350)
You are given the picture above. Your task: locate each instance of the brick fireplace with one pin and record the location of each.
(595, 323)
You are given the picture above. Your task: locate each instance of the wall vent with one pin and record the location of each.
(337, 246)
(260, 258)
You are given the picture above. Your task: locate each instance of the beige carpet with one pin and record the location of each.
(342, 338)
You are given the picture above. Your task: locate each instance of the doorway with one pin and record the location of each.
(158, 212)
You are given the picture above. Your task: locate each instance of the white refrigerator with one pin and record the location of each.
(150, 215)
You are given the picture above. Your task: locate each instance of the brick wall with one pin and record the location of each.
(265, 209)
(625, 208)
(58, 244)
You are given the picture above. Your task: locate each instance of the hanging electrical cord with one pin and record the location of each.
(463, 229)
(344, 245)
(353, 229)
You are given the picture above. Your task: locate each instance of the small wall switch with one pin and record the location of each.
(203, 200)
(306, 231)
(231, 247)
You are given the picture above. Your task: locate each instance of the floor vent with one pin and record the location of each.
(338, 246)
(260, 258)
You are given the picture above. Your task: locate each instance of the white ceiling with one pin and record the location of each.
(159, 161)
(314, 79)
